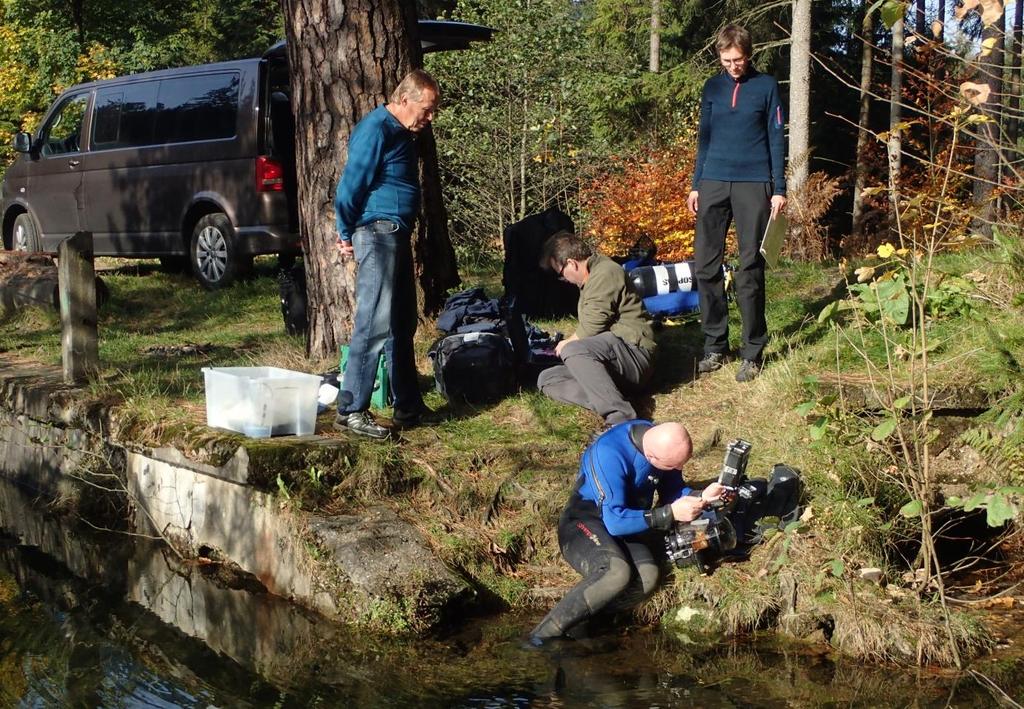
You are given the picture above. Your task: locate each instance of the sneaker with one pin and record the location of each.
(711, 362)
(412, 419)
(360, 422)
(749, 369)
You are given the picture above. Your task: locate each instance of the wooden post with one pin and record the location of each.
(76, 281)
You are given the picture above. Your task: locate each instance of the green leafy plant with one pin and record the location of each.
(1000, 504)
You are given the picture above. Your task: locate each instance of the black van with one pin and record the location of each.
(195, 164)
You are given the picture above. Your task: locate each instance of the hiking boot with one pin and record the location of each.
(412, 419)
(361, 423)
(749, 369)
(711, 362)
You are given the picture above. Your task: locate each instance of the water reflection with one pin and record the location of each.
(89, 619)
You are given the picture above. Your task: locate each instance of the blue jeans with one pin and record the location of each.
(385, 319)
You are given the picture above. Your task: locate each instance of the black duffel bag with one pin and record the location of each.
(474, 367)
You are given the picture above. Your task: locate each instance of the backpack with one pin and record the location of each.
(537, 291)
(291, 285)
(473, 366)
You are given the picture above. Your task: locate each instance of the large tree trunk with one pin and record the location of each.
(345, 59)
(863, 123)
(800, 96)
(986, 156)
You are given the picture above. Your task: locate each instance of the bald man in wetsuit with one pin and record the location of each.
(611, 531)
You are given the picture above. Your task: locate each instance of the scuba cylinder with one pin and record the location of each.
(666, 278)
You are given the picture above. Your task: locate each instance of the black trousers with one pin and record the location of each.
(748, 204)
(618, 572)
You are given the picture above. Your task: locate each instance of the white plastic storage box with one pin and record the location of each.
(261, 401)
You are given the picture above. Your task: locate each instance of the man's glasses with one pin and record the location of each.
(562, 271)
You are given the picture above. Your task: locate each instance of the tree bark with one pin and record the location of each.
(895, 142)
(345, 59)
(800, 96)
(863, 123)
(654, 63)
(1014, 89)
(986, 156)
(78, 19)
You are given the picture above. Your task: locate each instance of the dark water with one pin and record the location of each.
(95, 620)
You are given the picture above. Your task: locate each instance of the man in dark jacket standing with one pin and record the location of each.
(613, 346)
(739, 175)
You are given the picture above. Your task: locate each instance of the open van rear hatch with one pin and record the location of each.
(435, 36)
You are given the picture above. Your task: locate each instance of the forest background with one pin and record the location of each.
(591, 105)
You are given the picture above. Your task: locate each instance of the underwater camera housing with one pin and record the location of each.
(708, 537)
(701, 541)
(734, 467)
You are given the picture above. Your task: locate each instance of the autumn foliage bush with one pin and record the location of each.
(643, 196)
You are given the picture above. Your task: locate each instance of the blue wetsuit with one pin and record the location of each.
(615, 475)
(610, 531)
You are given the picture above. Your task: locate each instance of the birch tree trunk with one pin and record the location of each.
(895, 143)
(1014, 88)
(863, 122)
(800, 96)
(654, 63)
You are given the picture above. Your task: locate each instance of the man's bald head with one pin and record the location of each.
(667, 446)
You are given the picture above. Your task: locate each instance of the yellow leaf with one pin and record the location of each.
(886, 250)
(987, 45)
(936, 29)
(991, 11)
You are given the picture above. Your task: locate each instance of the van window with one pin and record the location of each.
(63, 131)
(197, 108)
(124, 116)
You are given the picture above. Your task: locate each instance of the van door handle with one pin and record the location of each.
(73, 163)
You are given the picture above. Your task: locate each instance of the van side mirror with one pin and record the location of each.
(23, 142)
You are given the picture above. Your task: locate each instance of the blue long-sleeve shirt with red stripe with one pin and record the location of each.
(742, 136)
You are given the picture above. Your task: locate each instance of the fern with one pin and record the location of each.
(999, 438)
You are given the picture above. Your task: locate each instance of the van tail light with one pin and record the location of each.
(269, 175)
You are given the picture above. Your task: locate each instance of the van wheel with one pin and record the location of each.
(215, 262)
(24, 236)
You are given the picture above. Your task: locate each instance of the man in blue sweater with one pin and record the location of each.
(739, 176)
(611, 532)
(376, 202)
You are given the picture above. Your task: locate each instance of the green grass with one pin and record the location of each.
(486, 486)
